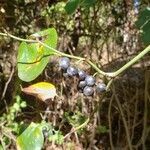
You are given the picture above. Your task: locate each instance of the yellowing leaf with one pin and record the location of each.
(33, 58)
(42, 90)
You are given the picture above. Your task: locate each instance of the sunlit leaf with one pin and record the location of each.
(51, 41)
(42, 33)
(42, 90)
(33, 58)
(31, 138)
(87, 3)
(1, 148)
(31, 61)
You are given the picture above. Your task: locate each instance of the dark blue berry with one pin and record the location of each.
(101, 87)
(90, 80)
(81, 74)
(64, 63)
(72, 71)
(82, 84)
(88, 91)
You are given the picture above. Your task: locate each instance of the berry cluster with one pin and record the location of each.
(86, 82)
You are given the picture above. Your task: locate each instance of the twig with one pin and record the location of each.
(93, 131)
(109, 122)
(17, 38)
(124, 121)
(77, 128)
(107, 74)
(6, 86)
(135, 113)
(144, 133)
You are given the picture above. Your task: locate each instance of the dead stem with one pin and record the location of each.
(124, 120)
(109, 122)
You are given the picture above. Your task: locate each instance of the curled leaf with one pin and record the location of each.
(41, 90)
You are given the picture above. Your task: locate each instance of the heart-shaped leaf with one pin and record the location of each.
(33, 58)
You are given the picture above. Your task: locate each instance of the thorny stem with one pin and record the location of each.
(107, 74)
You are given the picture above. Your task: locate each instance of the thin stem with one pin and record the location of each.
(109, 123)
(60, 53)
(130, 63)
(107, 74)
(124, 120)
(45, 45)
(77, 128)
(56, 51)
(109, 83)
(145, 117)
(96, 68)
(17, 38)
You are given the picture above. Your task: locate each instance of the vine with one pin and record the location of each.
(107, 74)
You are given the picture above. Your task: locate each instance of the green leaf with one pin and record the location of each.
(87, 3)
(51, 41)
(43, 33)
(71, 6)
(1, 148)
(143, 23)
(31, 61)
(76, 120)
(33, 58)
(57, 137)
(102, 129)
(31, 138)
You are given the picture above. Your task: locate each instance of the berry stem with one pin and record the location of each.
(109, 83)
(96, 68)
(107, 74)
(38, 41)
(61, 53)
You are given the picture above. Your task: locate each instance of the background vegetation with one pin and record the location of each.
(109, 33)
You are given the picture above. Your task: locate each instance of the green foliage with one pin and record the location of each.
(87, 3)
(9, 117)
(33, 58)
(102, 129)
(72, 5)
(56, 137)
(9, 125)
(143, 23)
(31, 137)
(75, 119)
